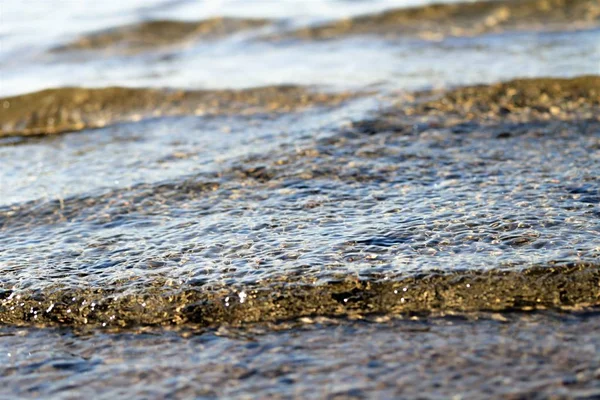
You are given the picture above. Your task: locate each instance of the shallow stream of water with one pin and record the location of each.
(300, 199)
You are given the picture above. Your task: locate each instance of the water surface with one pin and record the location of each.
(276, 200)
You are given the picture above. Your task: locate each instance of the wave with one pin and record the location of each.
(553, 287)
(54, 111)
(149, 35)
(450, 195)
(434, 22)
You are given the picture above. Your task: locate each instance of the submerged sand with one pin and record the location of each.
(158, 34)
(62, 110)
(560, 115)
(436, 21)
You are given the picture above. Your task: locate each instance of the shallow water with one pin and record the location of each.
(322, 359)
(249, 58)
(222, 229)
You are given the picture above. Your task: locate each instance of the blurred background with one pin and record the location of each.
(257, 49)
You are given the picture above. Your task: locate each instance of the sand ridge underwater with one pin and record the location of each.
(305, 241)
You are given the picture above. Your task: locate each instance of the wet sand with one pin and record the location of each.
(434, 22)
(534, 112)
(153, 35)
(62, 110)
(419, 224)
(568, 288)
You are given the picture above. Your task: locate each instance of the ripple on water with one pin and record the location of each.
(494, 356)
(436, 21)
(156, 34)
(403, 193)
(71, 109)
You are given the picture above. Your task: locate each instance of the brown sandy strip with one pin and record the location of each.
(537, 100)
(547, 101)
(434, 22)
(68, 109)
(135, 38)
(567, 287)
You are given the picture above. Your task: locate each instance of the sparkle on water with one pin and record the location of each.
(197, 201)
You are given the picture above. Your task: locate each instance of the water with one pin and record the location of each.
(253, 237)
(351, 360)
(247, 59)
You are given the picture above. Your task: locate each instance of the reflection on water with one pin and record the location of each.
(152, 151)
(484, 178)
(246, 59)
(210, 209)
(390, 359)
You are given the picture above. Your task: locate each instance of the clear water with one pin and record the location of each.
(244, 60)
(127, 208)
(350, 360)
